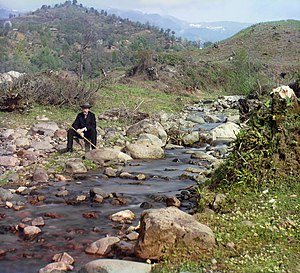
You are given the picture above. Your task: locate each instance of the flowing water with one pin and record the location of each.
(70, 231)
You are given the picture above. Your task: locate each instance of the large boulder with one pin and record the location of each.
(152, 138)
(115, 266)
(147, 126)
(75, 165)
(226, 131)
(102, 246)
(168, 227)
(191, 138)
(195, 118)
(144, 149)
(45, 128)
(102, 155)
(43, 145)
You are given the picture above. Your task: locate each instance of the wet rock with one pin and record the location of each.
(63, 257)
(211, 119)
(168, 227)
(98, 191)
(191, 138)
(40, 175)
(2, 253)
(132, 236)
(54, 267)
(31, 232)
(115, 266)
(141, 176)
(147, 126)
(42, 145)
(9, 161)
(103, 246)
(80, 198)
(98, 198)
(154, 140)
(119, 201)
(122, 215)
(103, 155)
(45, 128)
(143, 149)
(173, 201)
(5, 195)
(124, 249)
(202, 156)
(38, 222)
(90, 215)
(228, 130)
(173, 146)
(196, 119)
(9, 204)
(110, 172)
(146, 205)
(126, 175)
(75, 166)
(62, 193)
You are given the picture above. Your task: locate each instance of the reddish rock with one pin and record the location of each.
(63, 257)
(90, 214)
(53, 215)
(103, 246)
(173, 202)
(58, 266)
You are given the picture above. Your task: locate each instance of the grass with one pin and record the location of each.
(118, 96)
(268, 243)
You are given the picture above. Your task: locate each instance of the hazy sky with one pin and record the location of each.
(188, 10)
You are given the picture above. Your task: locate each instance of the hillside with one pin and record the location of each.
(74, 38)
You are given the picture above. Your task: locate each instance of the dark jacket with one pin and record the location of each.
(89, 122)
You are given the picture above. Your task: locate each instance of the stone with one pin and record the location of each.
(54, 267)
(40, 175)
(154, 140)
(5, 195)
(42, 145)
(63, 257)
(226, 131)
(122, 215)
(98, 199)
(132, 236)
(13, 177)
(31, 232)
(80, 198)
(9, 161)
(147, 126)
(74, 166)
(103, 246)
(45, 128)
(191, 138)
(11, 149)
(173, 201)
(98, 191)
(115, 266)
(22, 142)
(38, 222)
(110, 172)
(62, 193)
(126, 175)
(60, 134)
(102, 155)
(196, 119)
(144, 150)
(141, 176)
(219, 198)
(202, 156)
(168, 227)
(211, 119)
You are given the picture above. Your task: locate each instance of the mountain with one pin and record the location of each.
(204, 31)
(6, 13)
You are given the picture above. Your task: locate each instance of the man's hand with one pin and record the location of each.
(80, 131)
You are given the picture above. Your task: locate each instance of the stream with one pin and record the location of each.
(67, 230)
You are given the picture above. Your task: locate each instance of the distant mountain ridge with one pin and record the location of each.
(204, 31)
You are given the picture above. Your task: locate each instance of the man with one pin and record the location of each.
(85, 126)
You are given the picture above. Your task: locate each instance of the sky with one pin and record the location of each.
(192, 11)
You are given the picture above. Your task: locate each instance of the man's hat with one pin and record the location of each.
(86, 105)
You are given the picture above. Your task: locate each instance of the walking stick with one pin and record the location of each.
(84, 138)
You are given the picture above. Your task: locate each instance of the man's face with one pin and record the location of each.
(85, 110)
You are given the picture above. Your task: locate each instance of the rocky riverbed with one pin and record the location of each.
(53, 205)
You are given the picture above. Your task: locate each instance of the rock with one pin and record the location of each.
(147, 126)
(9, 161)
(42, 145)
(126, 175)
(62, 193)
(80, 198)
(75, 166)
(115, 266)
(234, 119)
(225, 131)
(45, 128)
(11, 149)
(173, 146)
(196, 119)
(219, 198)
(191, 138)
(31, 232)
(122, 215)
(212, 119)
(173, 201)
(13, 177)
(5, 195)
(144, 150)
(141, 176)
(103, 246)
(154, 140)
(63, 257)
(40, 175)
(132, 236)
(60, 134)
(102, 155)
(98, 191)
(54, 267)
(98, 199)
(110, 172)
(38, 222)
(22, 142)
(202, 156)
(168, 227)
